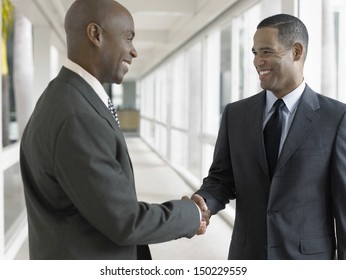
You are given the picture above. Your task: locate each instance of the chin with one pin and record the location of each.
(264, 86)
(118, 80)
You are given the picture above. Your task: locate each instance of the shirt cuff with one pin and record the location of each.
(200, 212)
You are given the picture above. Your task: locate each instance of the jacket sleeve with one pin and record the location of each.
(88, 169)
(338, 185)
(218, 187)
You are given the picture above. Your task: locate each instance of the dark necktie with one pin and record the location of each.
(272, 136)
(113, 111)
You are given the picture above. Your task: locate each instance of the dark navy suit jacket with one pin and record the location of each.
(292, 216)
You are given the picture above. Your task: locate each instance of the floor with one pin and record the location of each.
(156, 182)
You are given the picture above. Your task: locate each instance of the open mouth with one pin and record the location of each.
(126, 64)
(263, 73)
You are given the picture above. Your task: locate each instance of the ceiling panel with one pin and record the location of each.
(161, 26)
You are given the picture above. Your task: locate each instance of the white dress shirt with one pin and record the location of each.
(90, 79)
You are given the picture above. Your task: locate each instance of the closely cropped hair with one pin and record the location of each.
(291, 29)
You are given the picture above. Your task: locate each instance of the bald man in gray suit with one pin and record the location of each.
(78, 178)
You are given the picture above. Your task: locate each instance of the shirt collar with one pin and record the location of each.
(291, 99)
(90, 79)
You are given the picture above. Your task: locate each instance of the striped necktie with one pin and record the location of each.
(113, 111)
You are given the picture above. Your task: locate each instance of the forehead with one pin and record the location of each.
(266, 37)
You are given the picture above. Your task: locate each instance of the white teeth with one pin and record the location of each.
(126, 64)
(264, 72)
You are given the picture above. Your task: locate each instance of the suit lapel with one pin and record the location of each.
(304, 120)
(254, 120)
(91, 96)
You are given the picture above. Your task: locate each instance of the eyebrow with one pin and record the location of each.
(262, 49)
(132, 33)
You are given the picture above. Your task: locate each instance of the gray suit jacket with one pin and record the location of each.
(79, 184)
(293, 216)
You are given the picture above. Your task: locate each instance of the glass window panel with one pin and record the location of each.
(179, 151)
(117, 95)
(269, 8)
(341, 49)
(325, 66)
(251, 18)
(211, 100)
(147, 131)
(194, 56)
(54, 62)
(179, 96)
(9, 116)
(225, 67)
(161, 93)
(245, 80)
(313, 66)
(337, 9)
(147, 97)
(208, 152)
(161, 139)
(237, 86)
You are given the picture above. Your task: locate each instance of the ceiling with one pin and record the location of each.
(161, 26)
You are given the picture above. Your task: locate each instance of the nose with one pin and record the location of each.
(134, 52)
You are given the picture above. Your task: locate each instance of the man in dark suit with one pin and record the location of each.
(290, 205)
(78, 178)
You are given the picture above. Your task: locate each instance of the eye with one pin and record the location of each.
(129, 36)
(266, 53)
(129, 40)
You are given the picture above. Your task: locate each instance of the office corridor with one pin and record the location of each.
(156, 182)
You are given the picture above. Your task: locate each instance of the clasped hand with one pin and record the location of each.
(204, 211)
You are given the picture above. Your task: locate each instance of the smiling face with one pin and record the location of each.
(278, 66)
(99, 35)
(116, 49)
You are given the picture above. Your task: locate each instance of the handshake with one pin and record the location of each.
(205, 212)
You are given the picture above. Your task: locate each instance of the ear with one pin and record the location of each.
(297, 50)
(94, 33)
